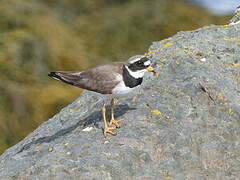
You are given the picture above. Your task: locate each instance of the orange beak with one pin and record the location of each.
(150, 69)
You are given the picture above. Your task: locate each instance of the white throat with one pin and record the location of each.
(136, 74)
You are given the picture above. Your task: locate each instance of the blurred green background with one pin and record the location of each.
(47, 35)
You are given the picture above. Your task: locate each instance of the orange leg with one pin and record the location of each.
(106, 128)
(113, 121)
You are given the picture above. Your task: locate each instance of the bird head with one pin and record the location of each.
(138, 65)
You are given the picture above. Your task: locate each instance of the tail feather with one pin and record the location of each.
(61, 77)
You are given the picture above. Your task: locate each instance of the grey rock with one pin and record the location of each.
(236, 17)
(184, 123)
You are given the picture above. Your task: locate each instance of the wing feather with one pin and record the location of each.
(101, 79)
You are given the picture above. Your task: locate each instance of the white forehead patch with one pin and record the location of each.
(135, 60)
(147, 63)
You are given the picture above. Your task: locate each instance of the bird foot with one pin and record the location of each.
(115, 122)
(109, 131)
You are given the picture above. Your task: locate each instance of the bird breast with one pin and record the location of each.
(121, 88)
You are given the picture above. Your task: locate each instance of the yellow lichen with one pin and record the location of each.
(220, 96)
(179, 90)
(165, 90)
(73, 110)
(235, 64)
(160, 64)
(229, 39)
(152, 52)
(224, 103)
(156, 111)
(167, 44)
(157, 50)
(230, 111)
(191, 53)
(224, 65)
(177, 62)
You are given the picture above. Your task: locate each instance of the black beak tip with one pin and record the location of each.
(154, 72)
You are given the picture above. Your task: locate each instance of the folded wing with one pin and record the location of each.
(101, 79)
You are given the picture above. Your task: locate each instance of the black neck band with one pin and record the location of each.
(130, 81)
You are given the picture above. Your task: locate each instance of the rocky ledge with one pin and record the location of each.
(184, 123)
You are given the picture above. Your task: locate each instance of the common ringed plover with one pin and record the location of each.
(116, 78)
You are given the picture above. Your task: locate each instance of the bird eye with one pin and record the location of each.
(139, 62)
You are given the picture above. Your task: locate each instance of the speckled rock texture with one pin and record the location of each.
(184, 123)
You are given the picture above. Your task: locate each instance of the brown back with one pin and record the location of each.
(101, 79)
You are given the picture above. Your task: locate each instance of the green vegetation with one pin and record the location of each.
(47, 35)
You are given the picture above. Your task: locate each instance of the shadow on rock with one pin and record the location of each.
(93, 118)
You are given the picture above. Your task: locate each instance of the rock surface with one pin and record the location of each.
(184, 123)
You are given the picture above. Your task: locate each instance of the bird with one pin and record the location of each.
(113, 79)
(236, 17)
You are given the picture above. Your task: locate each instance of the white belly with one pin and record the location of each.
(122, 89)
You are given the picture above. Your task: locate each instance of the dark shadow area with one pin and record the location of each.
(93, 118)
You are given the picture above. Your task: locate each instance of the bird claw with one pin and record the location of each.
(115, 122)
(109, 131)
